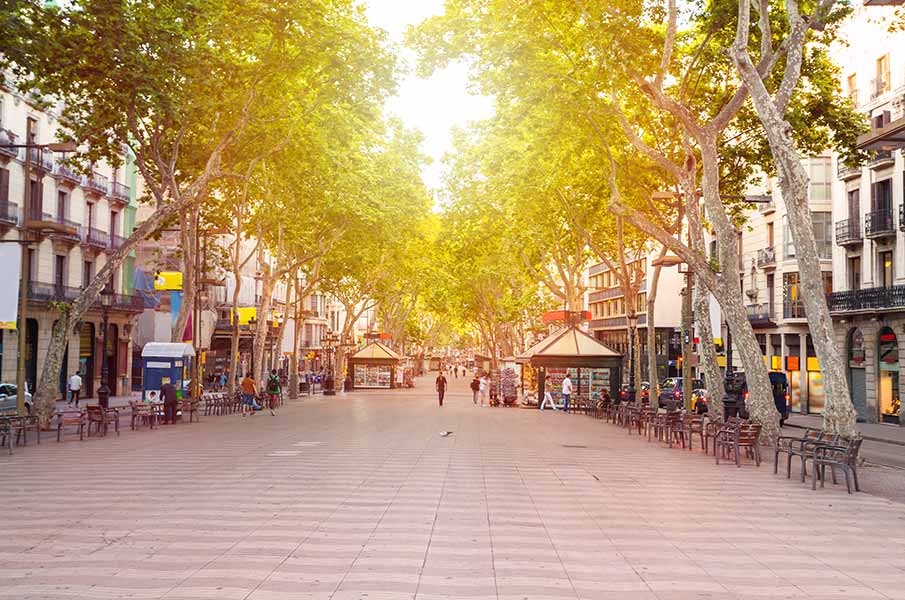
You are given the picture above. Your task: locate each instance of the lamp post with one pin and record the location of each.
(24, 235)
(329, 341)
(103, 392)
(632, 325)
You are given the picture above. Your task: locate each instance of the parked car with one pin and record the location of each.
(699, 402)
(9, 398)
(672, 390)
(779, 385)
(644, 390)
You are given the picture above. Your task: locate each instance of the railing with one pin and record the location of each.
(793, 310)
(36, 214)
(64, 172)
(844, 171)
(51, 292)
(848, 231)
(70, 224)
(96, 182)
(9, 213)
(127, 301)
(8, 137)
(902, 217)
(766, 207)
(876, 298)
(40, 158)
(121, 191)
(879, 223)
(116, 241)
(95, 237)
(879, 158)
(878, 87)
(766, 257)
(760, 313)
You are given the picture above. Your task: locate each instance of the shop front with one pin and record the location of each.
(888, 399)
(374, 367)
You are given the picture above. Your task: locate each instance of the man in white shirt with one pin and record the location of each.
(75, 388)
(485, 384)
(566, 393)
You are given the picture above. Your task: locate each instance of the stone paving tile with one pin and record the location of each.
(358, 498)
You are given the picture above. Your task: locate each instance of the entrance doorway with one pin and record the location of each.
(86, 359)
(857, 375)
(888, 376)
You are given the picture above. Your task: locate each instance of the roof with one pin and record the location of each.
(167, 350)
(376, 350)
(569, 342)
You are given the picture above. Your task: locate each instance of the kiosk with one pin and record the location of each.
(374, 367)
(164, 362)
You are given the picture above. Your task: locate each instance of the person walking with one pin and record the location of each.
(168, 393)
(475, 388)
(441, 386)
(483, 388)
(566, 393)
(223, 380)
(548, 396)
(248, 396)
(455, 371)
(75, 388)
(274, 390)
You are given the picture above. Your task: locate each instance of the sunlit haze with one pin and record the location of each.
(432, 105)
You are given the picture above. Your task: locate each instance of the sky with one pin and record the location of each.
(432, 105)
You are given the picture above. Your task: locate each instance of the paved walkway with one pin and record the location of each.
(359, 497)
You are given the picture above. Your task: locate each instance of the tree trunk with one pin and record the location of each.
(652, 375)
(296, 331)
(262, 329)
(188, 231)
(713, 378)
(839, 414)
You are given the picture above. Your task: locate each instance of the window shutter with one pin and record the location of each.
(4, 185)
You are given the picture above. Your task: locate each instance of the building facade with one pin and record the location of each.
(74, 221)
(868, 305)
(609, 323)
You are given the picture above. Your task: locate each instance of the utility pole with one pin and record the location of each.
(687, 339)
(22, 328)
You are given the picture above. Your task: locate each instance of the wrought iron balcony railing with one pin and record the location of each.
(848, 232)
(867, 299)
(120, 191)
(766, 257)
(97, 183)
(95, 237)
(66, 174)
(879, 223)
(760, 313)
(9, 213)
(880, 158)
(51, 292)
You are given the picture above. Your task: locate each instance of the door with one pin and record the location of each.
(59, 275)
(86, 359)
(885, 270)
(31, 353)
(858, 379)
(112, 358)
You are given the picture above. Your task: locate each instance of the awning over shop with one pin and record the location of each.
(571, 347)
(375, 351)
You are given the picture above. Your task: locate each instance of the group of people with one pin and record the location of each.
(480, 386)
(548, 395)
(272, 393)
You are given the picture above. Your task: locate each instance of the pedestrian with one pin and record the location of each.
(168, 392)
(248, 395)
(566, 393)
(475, 388)
(441, 386)
(484, 386)
(274, 389)
(455, 371)
(223, 380)
(75, 388)
(548, 396)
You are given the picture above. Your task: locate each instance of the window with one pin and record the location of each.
(114, 222)
(882, 83)
(89, 220)
(822, 224)
(881, 196)
(788, 244)
(87, 273)
(31, 130)
(770, 234)
(62, 205)
(820, 174)
(59, 271)
(4, 189)
(36, 199)
(854, 273)
(771, 278)
(885, 268)
(791, 288)
(854, 204)
(853, 88)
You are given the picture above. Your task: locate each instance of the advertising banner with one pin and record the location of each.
(10, 272)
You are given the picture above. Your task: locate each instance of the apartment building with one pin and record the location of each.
(868, 305)
(75, 220)
(769, 277)
(609, 323)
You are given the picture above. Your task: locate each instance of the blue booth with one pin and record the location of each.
(165, 362)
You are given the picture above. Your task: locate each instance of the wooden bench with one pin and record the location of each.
(842, 456)
(71, 418)
(731, 441)
(801, 446)
(101, 418)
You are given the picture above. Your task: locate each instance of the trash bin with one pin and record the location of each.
(103, 396)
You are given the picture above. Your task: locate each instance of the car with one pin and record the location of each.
(779, 386)
(9, 398)
(672, 390)
(699, 402)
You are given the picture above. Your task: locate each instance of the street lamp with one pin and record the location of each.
(21, 334)
(103, 392)
(329, 341)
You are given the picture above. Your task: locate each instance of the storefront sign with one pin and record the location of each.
(792, 363)
(168, 280)
(10, 272)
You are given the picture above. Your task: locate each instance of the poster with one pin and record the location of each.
(10, 272)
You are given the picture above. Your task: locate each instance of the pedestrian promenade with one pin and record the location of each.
(359, 497)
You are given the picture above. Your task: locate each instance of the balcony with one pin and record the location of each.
(51, 292)
(95, 238)
(848, 232)
(878, 224)
(878, 87)
(116, 242)
(8, 137)
(121, 192)
(793, 310)
(96, 183)
(867, 299)
(765, 208)
(760, 315)
(845, 172)
(9, 213)
(41, 159)
(766, 258)
(880, 159)
(66, 175)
